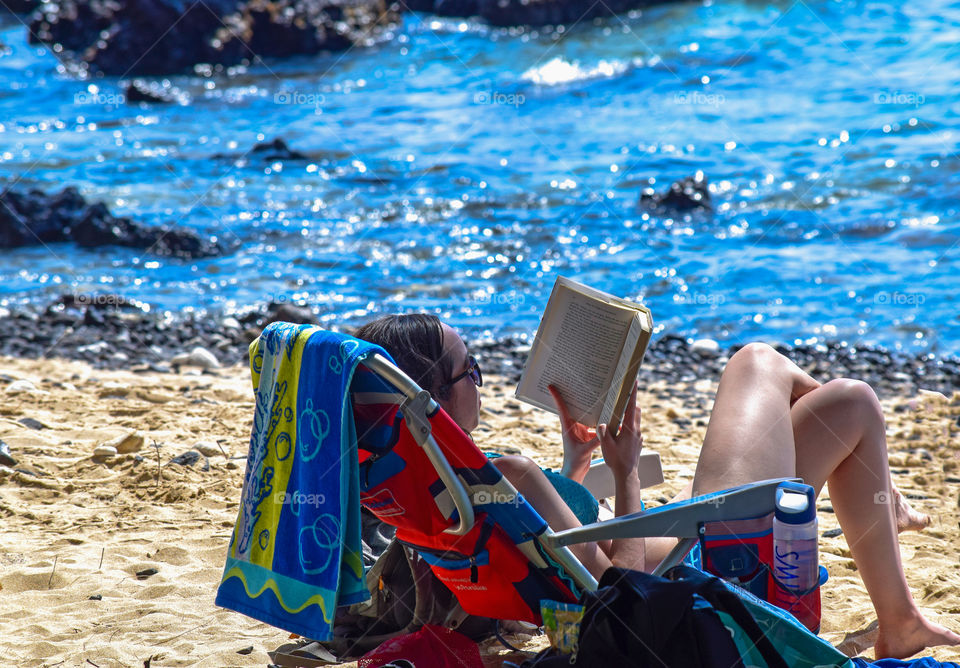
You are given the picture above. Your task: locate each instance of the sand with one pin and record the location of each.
(84, 526)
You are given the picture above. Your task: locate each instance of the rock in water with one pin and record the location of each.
(30, 218)
(153, 92)
(277, 150)
(684, 195)
(552, 12)
(148, 37)
(19, 6)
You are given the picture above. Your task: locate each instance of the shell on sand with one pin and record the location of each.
(82, 526)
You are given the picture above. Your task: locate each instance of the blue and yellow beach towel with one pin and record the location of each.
(295, 553)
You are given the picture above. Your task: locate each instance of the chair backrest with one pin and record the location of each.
(498, 568)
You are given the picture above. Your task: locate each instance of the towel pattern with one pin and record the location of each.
(295, 553)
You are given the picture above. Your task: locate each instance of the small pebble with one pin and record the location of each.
(6, 459)
(208, 448)
(188, 458)
(18, 386)
(96, 597)
(705, 347)
(105, 451)
(199, 357)
(31, 423)
(131, 442)
(832, 533)
(146, 572)
(245, 650)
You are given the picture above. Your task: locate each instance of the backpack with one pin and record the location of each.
(638, 620)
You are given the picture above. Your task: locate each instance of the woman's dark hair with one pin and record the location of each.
(415, 342)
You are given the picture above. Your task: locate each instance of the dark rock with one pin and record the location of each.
(553, 12)
(6, 459)
(832, 533)
(301, 315)
(96, 597)
(19, 6)
(246, 650)
(685, 195)
(32, 217)
(456, 8)
(31, 423)
(146, 572)
(148, 37)
(188, 458)
(141, 90)
(277, 150)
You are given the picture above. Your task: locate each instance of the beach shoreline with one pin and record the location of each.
(79, 525)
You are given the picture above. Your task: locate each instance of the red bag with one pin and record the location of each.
(430, 647)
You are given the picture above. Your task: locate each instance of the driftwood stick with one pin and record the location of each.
(50, 581)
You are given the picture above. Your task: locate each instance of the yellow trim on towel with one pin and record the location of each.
(271, 508)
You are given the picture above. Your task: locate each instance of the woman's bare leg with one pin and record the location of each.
(772, 420)
(840, 439)
(750, 433)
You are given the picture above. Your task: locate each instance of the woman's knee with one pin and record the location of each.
(760, 358)
(515, 467)
(857, 398)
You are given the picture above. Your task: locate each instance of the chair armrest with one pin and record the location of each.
(599, 478)
(681, 519)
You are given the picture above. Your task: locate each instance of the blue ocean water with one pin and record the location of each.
(459, 168)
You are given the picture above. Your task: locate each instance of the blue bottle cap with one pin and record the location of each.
(795, 503)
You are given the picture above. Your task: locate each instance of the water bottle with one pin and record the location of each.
(795, 563)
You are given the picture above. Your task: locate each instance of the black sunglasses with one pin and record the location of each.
(473, 370)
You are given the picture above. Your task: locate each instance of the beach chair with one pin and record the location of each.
(421, 474)
(338, 425)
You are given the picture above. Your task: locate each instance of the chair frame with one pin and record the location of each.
(683, 520)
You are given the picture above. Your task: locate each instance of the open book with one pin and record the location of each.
(589, 346)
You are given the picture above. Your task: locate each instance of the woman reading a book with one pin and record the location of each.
(770, 419)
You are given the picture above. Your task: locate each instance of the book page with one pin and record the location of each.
(577, 351)
(628, 365)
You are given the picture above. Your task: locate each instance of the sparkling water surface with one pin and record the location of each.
(459, 168)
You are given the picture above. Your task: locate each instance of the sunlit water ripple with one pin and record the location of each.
(459, 168)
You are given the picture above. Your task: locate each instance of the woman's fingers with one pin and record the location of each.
(561, 405)
(631, 416)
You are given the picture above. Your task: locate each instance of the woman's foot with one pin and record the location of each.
(912, 636)
(908, 519)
